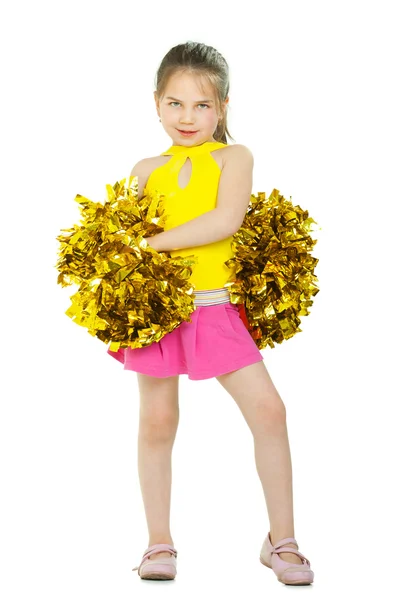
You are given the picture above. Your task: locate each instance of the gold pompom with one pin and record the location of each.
(273, 278)
(129, 294)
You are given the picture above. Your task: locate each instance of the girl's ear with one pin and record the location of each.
(224, 107)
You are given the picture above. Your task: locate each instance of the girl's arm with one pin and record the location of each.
(234, 191)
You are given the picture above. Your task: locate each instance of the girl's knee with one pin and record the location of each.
(269, 416)
(158, 425)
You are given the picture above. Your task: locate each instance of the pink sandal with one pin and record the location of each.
(288, 573)
(159, 568)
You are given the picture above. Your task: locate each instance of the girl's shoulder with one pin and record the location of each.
(237, 150)
(235, 156)
(143, 168)
(234, 153)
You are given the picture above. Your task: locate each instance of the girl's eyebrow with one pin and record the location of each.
(172, 98)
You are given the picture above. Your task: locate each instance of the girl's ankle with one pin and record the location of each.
(161, 541)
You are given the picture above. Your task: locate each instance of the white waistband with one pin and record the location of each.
(211, 297)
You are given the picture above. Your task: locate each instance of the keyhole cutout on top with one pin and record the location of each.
(185, 174)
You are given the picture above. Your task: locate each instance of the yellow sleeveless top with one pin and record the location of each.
(184, 204)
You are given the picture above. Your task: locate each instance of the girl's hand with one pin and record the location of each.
(153, 243)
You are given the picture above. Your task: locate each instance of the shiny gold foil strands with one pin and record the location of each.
(129, 294)
(273, 269)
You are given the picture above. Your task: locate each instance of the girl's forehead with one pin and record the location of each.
(187, 84)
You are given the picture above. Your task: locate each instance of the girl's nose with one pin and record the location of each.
(187, 118)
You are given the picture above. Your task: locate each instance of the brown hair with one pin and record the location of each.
(203, 60)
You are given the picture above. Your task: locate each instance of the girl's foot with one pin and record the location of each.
(288, 571)
(164, 566)
(288, 556)
(161, 554)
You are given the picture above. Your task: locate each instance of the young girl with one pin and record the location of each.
(207, 185)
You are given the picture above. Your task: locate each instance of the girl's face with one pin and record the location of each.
(188, 106)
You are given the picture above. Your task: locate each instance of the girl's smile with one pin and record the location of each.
(187, 133)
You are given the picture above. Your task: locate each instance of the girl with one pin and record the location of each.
(207, 185)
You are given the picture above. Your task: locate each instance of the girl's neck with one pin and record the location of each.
(212, 141)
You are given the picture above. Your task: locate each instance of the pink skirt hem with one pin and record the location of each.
(215, 342)
(198, 375)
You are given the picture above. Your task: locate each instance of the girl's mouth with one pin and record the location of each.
(187, 133)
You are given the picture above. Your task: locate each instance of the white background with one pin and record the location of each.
(313, 95)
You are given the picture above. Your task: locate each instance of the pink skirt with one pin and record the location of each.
(215, 342)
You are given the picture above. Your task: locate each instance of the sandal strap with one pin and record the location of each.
(154, 549)
(292, 551)
(280, 547)
(289, 540)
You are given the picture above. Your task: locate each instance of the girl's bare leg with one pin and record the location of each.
(159, 418)
(263, 409)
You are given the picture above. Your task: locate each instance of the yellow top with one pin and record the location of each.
(198, 197)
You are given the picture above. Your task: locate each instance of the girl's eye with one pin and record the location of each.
(201, 104)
